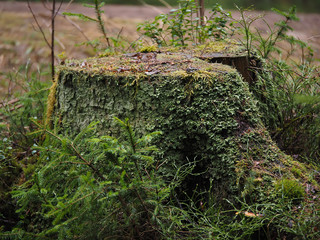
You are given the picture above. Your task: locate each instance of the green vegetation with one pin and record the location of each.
(184, 148)
(97, 44)
(185, 27)
(290, 189)
(103, 183)
(17, 157)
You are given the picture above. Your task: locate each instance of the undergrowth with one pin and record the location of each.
(17, 158)
(93, 187)
(286, 85)
(90, 183)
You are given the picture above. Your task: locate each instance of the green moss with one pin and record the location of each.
(29, 170)
(290, 189)
(297, 172)
(226, 47)
(223, 46)
(299, 166)
(315, 184)
(147, 49)
(105, 54)
(139, 63)
(261, 157)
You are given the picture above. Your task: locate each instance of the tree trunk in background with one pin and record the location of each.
(201, 11)
(53, 16)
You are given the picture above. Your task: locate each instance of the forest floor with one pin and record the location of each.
(22, 42)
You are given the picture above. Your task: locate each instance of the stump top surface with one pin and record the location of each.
(145, 63)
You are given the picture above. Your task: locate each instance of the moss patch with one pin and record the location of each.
(142, 63)
(227, 47)
(290, 189)
(51, 101)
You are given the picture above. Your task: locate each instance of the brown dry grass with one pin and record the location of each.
(22, 42)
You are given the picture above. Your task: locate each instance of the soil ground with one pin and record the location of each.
(22, 42)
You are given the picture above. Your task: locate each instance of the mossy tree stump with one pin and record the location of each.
(205, 111)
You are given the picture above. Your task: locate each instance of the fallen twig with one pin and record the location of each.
(13, 101)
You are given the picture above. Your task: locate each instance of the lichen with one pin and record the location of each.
(51, 101)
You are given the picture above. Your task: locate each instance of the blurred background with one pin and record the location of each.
(302, 5)
(310, 6)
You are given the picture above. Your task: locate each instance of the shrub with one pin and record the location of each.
(96, 188)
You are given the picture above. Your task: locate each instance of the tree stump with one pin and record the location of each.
(204, 110)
